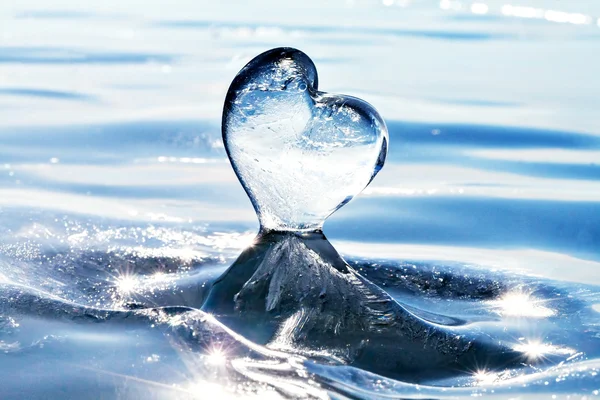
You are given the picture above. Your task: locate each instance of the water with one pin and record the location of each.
(115, 192)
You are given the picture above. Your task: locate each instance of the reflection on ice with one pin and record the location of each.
(451, 180)
(556, 156)
(233, 240)
(520, 304)
(536, 350)
(484, 377)
(242, 368)
(551, 265)
(188, 160)
(217, 356)
(126, 284)
(520, 11)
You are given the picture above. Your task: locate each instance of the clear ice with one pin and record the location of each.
(300, 153)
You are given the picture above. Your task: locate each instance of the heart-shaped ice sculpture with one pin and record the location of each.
(300, 153)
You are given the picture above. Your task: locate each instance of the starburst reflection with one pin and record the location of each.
(520, 304)
(126, 284)
(484, 377)
(536, 350)
(216, 357)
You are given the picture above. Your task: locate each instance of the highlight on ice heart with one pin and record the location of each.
(299, 153)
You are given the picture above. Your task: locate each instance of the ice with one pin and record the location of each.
(300, 153)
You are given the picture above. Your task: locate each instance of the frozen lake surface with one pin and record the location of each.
(116, 193)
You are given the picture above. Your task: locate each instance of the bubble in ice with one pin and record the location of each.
(300, 153)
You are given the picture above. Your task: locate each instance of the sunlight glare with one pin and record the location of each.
(216, 357)
(126, 284)
(484, 377)
(238, 241)
(519, 304)
(535, 350)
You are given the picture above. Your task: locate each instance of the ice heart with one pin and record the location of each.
(300, 153)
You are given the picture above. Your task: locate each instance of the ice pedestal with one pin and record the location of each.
(293, 290)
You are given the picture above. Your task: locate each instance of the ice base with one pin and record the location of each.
(293, 290)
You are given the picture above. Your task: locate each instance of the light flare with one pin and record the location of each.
(126, 284)
(484, 377)
(520, 304)
(216, 356)
(237, 241)
(536, 350)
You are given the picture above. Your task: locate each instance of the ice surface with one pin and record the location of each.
(300, 153)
